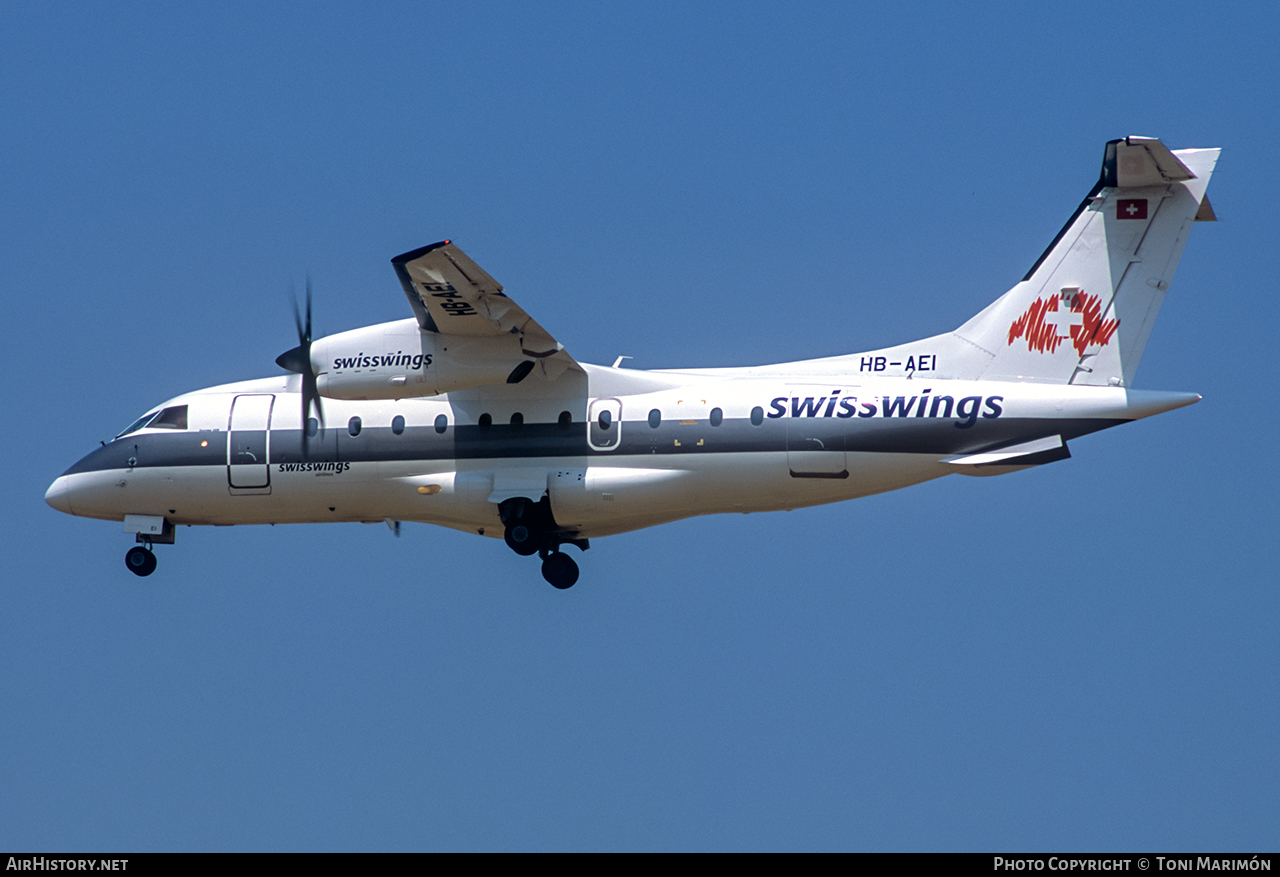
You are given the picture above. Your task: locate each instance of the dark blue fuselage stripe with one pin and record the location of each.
(904, 435)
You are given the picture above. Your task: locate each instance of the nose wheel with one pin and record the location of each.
(141, 562)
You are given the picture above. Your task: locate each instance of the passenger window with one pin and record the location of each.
(353, 426)
(170, 418)
(655, 419)
(397, 425)
(517, 420)
(606, 419)
(485, 422)
(717, 417)
(566, 420)
(757, 416)
(313, 427)
(442, 423)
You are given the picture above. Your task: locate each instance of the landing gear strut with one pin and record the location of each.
(531, 529)
(140, 561)
(529, 525)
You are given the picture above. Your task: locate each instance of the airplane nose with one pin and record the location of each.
(58, 496)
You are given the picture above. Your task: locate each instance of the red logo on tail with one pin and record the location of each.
(1067, 317)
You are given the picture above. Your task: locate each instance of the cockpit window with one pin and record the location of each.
(170, 418)
(138, 424)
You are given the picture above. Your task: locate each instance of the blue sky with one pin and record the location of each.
(1081, 656)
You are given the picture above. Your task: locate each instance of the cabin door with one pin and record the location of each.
(249, 442)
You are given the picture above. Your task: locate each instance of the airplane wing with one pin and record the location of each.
(452, 295)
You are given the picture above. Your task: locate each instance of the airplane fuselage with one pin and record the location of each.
(703, 444)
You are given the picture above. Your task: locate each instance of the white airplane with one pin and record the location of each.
(470, 415)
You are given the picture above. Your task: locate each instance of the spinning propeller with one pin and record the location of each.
(298, 361)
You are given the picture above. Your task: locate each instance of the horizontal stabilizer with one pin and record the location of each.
(1142, 161)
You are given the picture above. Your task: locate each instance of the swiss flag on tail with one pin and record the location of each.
(1131, 208)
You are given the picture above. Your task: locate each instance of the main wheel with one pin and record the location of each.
(560, 570)
(140, 561)
(521, 538)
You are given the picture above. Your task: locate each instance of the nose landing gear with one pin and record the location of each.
(140, 560)
(148, 530)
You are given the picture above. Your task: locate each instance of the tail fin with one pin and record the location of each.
(1084, 312)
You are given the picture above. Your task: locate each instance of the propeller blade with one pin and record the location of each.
(308, 335)
(298, 361)
(303, 337)
(310, 396)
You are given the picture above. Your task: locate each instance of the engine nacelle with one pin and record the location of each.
(398, 360)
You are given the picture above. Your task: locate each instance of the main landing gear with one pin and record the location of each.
(559, 569)
(522, 537)
(140, 560)
(530, 529)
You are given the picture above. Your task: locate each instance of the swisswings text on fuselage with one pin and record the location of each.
(966, 409)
